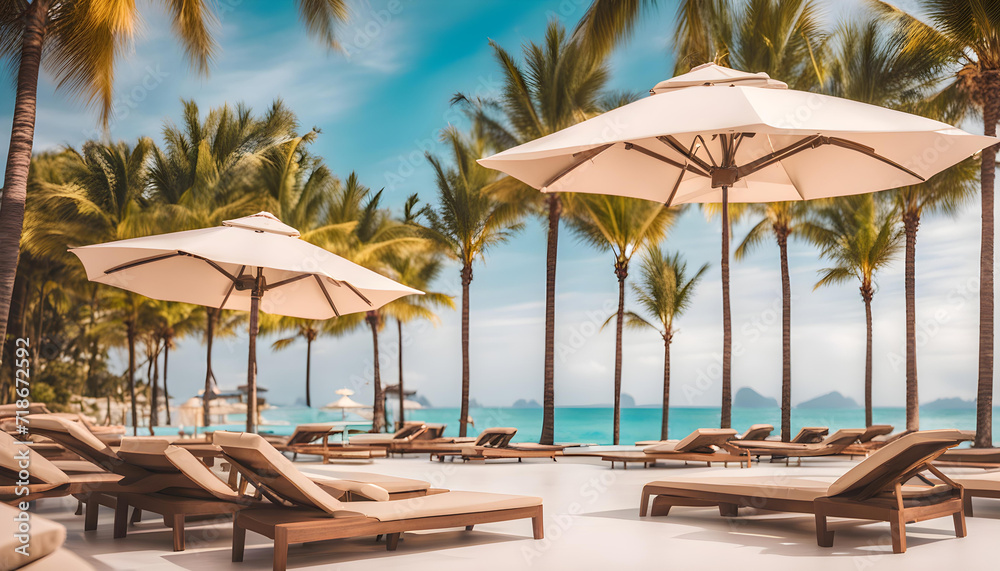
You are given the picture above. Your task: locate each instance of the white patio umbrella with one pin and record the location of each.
(721, 135)
(345, 403)
(232, 266)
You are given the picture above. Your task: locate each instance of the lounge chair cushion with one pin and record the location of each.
(46, 537)
(197, 472)
(784, 488)
(146, 452)
(700, 440)
(894, 458)
(277, 472)
(449, 503)
(42, 471)
(76, 430)
(757, 432)
(391, 484)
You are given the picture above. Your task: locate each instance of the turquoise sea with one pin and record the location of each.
(593, 425)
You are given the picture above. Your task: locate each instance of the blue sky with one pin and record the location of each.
(381, 106)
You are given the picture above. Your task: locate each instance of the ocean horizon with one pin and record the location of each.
(593, 425)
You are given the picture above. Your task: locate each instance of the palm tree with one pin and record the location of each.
(782, 219)
(874, 61)
(467, 222)
(82, 41)
(175, 320)
(664, 293)
(860, 236)
(417, 269)
(969, 30)
(623, 226)
(558, 85)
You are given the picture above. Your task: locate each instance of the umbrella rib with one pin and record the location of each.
(659, 157)
(231, 277)
(673, 191)
(812, 143)
(143, 262)
(286, 282)
(358, 293)
(229, 291)
(584, 156)
(866, 150)
(326, 294)
(673, 143)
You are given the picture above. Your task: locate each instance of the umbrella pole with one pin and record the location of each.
(727, 331)
(255, 296)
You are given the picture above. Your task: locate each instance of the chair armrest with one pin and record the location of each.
(370, 491)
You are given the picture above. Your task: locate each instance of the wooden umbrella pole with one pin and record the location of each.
(255, 295)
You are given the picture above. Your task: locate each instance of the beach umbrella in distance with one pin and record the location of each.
(345, 403)
(255, 263)
(720, 135)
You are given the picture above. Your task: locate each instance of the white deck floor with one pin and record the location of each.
(591, 522)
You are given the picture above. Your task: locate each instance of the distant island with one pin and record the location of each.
(521, 403)
(422, 400)
(627, 401)
(473, 403)
(829, 400)
(953, 403)
(749, 398)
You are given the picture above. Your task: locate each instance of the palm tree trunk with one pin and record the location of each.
(402, 396)
(549, 388)
(463, 419)
(212, 315)
(666, 385)
(786, 341)
(984, 396)
(911, 221)
(309, 344)
(727, 325)
(378, 407)
(130, 334)
(166, 393)
(22, 135)
(153, 374)
(621, 271)
(866, 295)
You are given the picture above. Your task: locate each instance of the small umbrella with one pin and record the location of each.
(722, 135)
(345, 403)
(232, 266)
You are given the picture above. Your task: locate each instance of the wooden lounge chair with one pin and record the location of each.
(988, 458)
(875, 489)
(45, 552)
(836, 443)
(811, 434)
(874, 437)
(409, 432)
(312, 514)
(449, 447)
(985, 485)
(755, 432)
(314, 439)
(703, 445)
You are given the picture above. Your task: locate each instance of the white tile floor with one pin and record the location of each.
(591, 522)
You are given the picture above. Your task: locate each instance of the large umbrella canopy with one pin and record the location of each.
(345, 403)
(722, 135)
(716, 127)
(233, 266)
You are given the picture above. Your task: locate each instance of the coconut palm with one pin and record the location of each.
(970, 31)
(82, 41)
(466, 223)
(874, 61)
(781, 220)
(664, 293)
(175, 321)
(859, 236)
(623, 226)
(558, 84)
(417, 269)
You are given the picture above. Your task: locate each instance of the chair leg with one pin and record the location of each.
(79, 507)
(469, 527)
(178, 525)
(93, 509)
(391, 541)
(897, 528)
(824, 537)
(644, 503)
(661, 506)
(967, 505)
(239, 541)
(280, 549)
(121, 518)
(537, 525)
(729, 510)
(136, 516)
(959, 524)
